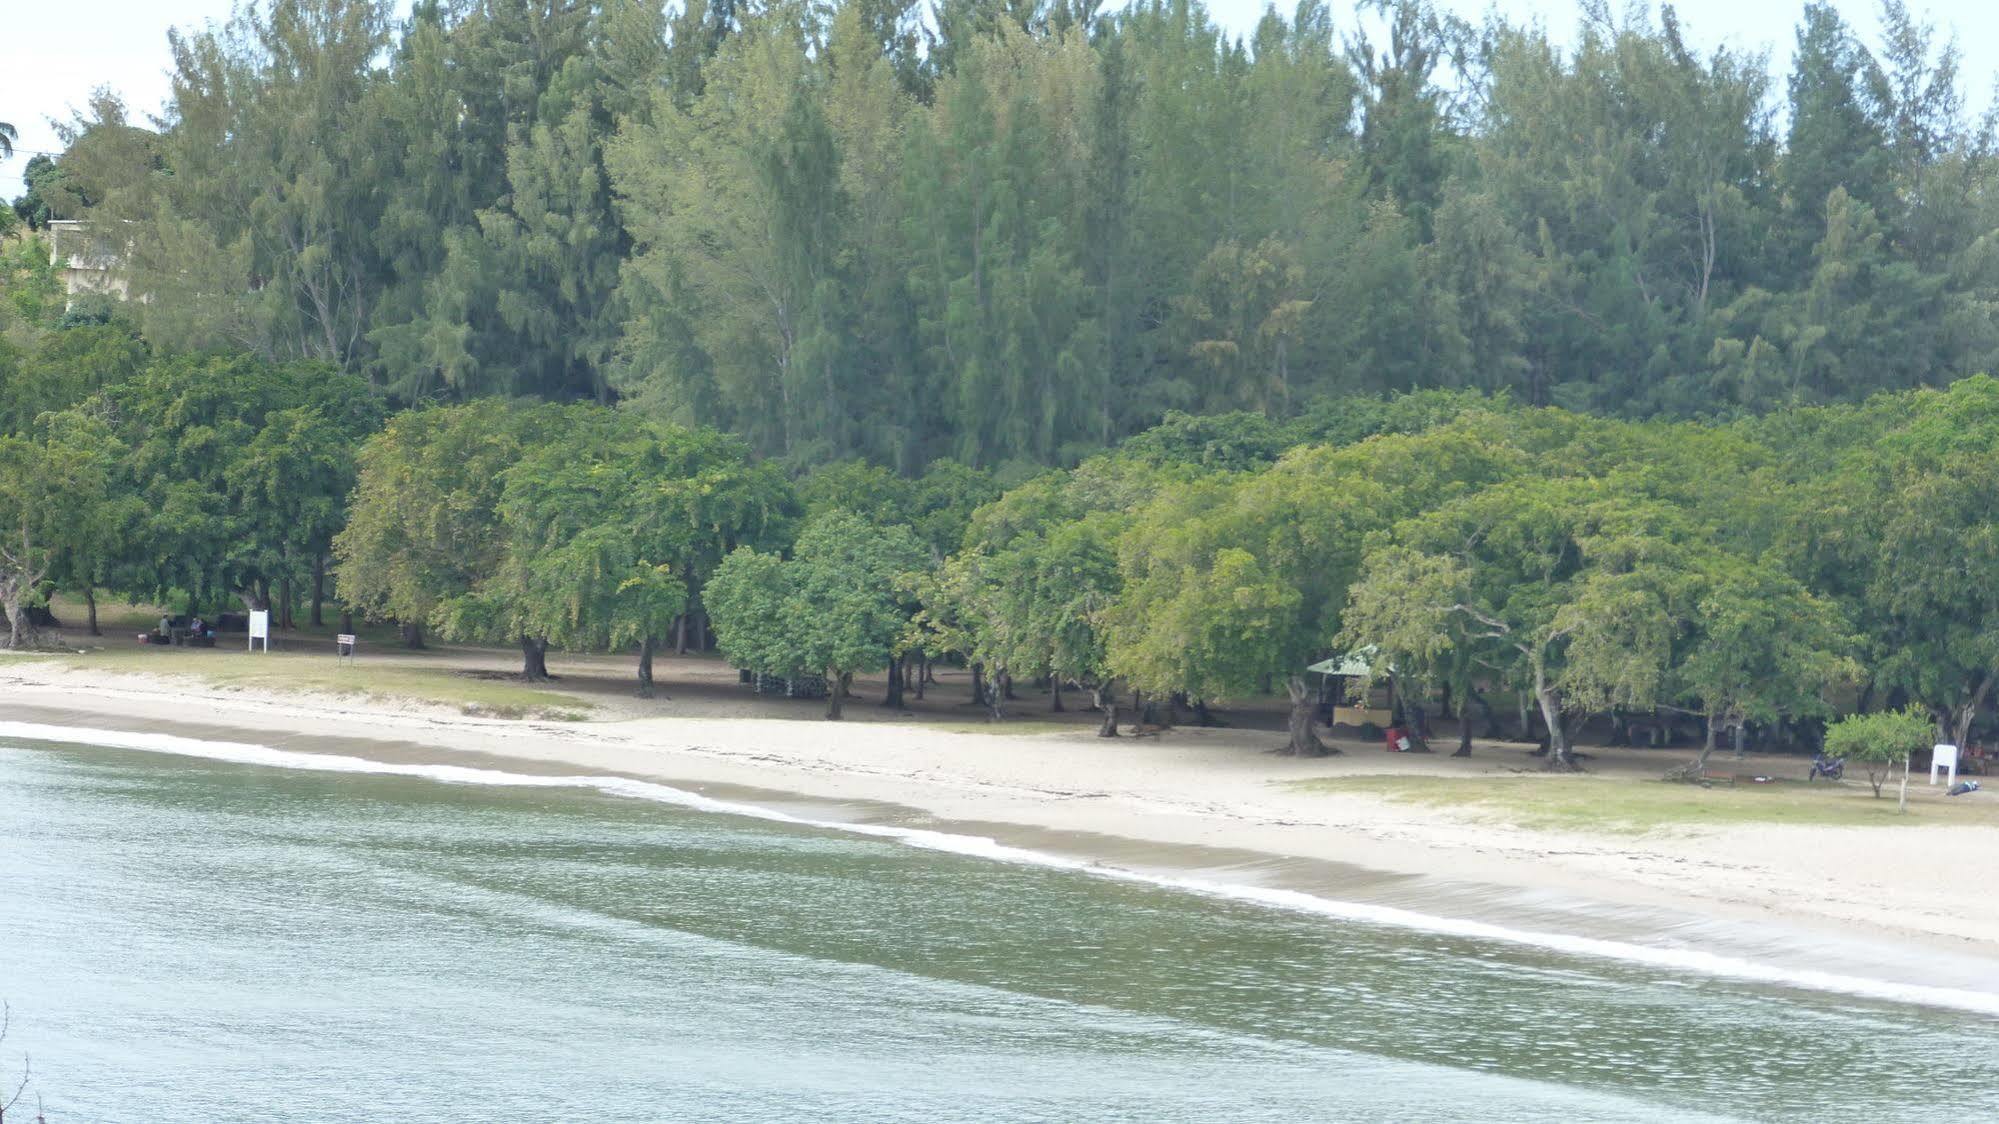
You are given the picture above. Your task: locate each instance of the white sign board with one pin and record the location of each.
(260, 628)
(343, 644)
(1943, 757)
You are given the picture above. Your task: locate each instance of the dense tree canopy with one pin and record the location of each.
(1093, 348)
(1045, 230)
(578, 526)
(242, 470)
(832, 608)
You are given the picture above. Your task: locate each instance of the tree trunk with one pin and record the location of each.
(680, 635)
(412, 636)
(978, 684)
(1054, 694)
(1485, 708)
(1902, 798)
(1526, 717)
(1006, 685)
(996, 693)
(645, 668)
(1691, 771)
(1559, 759)
(347, 622)
(1417, 727)
(90, 607)
(1735, 737)
(893, 701)
(922, 672)
(14, 619)
(1104, 695)
(1202, 716)
(1303, 742)
(1464, 724)
(534, 659)
(836, 687)
(1962, 717)
(285, 603)
(319, 591)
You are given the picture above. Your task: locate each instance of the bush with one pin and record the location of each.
(1879, 741)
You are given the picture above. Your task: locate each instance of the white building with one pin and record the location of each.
(87, 261)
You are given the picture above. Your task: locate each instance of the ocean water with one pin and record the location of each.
(209, 934)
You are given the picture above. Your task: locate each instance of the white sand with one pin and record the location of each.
(1897, 889)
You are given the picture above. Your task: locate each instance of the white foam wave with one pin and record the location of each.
(1671, 959)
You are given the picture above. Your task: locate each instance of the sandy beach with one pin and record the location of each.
(1897, 902)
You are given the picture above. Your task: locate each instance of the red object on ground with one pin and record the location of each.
(1398, 740)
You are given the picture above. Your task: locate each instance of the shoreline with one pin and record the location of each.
(1196, 807)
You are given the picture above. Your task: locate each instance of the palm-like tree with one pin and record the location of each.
(7, 135)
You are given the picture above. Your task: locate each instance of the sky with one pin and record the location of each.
(50, 62)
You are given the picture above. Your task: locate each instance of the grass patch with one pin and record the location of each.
(1635, 806)
(292, 671)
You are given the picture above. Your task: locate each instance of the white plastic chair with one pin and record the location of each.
(1943, 757)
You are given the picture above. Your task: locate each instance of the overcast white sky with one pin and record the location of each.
(53, 54)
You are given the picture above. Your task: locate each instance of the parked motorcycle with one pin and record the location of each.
(1831, 768)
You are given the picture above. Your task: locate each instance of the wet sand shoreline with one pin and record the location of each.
(1394, 858)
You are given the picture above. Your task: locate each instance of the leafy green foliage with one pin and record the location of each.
(1048, 230)
(833, 607)
(578, 526)
(1880, 741)
(1322, 297)
(424, 523)
(242, 467)
(57, 501)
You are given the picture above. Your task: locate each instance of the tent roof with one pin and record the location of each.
(1356, 662)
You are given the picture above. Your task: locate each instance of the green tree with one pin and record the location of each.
(1761, 648)
(1560, 584)
(1837, 138)
(423, 526)
(1890, 516)
(1401, 136)
(736, 209)
(612, 528)
(65, 367)
(242, 467)
(831, 609)
(1234, 584)
(995, 177)
(54, 484)
(1880, 741)
(263, 235)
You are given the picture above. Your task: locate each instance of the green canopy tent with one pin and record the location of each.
(1357, 664)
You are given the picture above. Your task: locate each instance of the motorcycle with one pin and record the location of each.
(1831, 768)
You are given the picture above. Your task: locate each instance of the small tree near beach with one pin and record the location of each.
(1880, 741)
(832, 607)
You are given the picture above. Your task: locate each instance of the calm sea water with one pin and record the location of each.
(193, 940)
